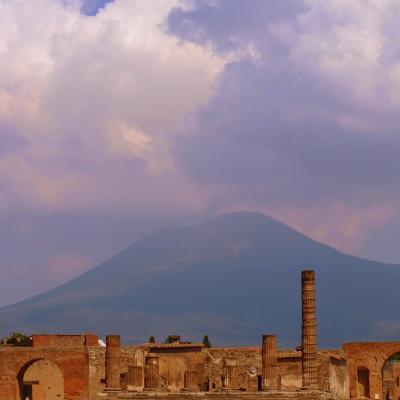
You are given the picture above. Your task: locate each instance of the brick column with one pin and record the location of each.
(113, 362)
(309, 331)
(151, 371)
(191, 383)
(269, 363)
(135, 377)
(230, 373)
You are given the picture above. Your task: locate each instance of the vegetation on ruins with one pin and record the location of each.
(172, 339)
(15, 338)
(206, 341)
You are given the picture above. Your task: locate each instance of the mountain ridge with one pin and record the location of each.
(233, 278)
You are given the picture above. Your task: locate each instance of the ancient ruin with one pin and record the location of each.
(79, 367)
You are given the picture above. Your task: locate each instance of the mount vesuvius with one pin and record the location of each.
(232, 278)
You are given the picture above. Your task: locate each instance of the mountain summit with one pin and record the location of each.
(232, 278)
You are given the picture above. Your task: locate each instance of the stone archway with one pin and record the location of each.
(41, 380)
(373, 356)
(391, 378)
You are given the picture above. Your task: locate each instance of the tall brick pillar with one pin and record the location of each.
(151, 373)
(309, 331)
(269, 363)
(113, 362)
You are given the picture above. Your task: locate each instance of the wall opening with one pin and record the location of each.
(41, 380)
(390, 378)
(363, 382)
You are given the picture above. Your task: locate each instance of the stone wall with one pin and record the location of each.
(15, 361)
(282, 395)
(289, 370)
(96, 370)
(65, 358)
(219, 369)
(365, 363)
(78, 364)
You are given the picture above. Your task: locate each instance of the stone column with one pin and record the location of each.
(269, 363)
(113, 362)
(191, 383)
(230, 373)
(151, 373)
(135, 377)
(309, 331)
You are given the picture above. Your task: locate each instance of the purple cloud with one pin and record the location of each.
(306, 113)
(171, 112)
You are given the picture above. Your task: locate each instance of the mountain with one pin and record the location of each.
(232, 278)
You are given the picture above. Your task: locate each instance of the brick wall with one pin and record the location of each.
(368, 360)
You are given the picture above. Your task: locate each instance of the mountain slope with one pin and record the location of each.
(233, 278)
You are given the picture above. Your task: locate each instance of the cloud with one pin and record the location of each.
(130, 112)
(93, 102)
(91, 97)
(305, 116)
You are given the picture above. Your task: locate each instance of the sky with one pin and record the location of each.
(120, 117)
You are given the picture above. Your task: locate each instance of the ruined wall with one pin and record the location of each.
(174, 360)
(391, 380)
(15, 361)
(219, 369)
(365, 362)
(246, 368)
(289, 370)
(96, 370)
(228, 395)
(338, 378)
(67, 353)
(64, 341)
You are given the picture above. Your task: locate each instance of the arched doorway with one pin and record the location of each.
(41, 380)
(391, 378)
(363, 382)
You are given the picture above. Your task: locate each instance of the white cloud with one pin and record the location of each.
(93, 98)
(308, 129)
(349, 47)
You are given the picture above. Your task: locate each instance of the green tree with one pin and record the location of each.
(152, 339)
(172, 339)
(15, 338)
(206, 341)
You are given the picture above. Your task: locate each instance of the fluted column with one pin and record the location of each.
(269, 363)
(230, 373)
(191, 383)
(151, 371)
(309, 331)
(113, 362)
(135, 377)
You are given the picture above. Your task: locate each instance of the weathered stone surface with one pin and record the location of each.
(151, 373)
(191, 382)
(230, 373)
(67, 356)
(309, 331)
(113, 362)
(269, 363)
(135, 377)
